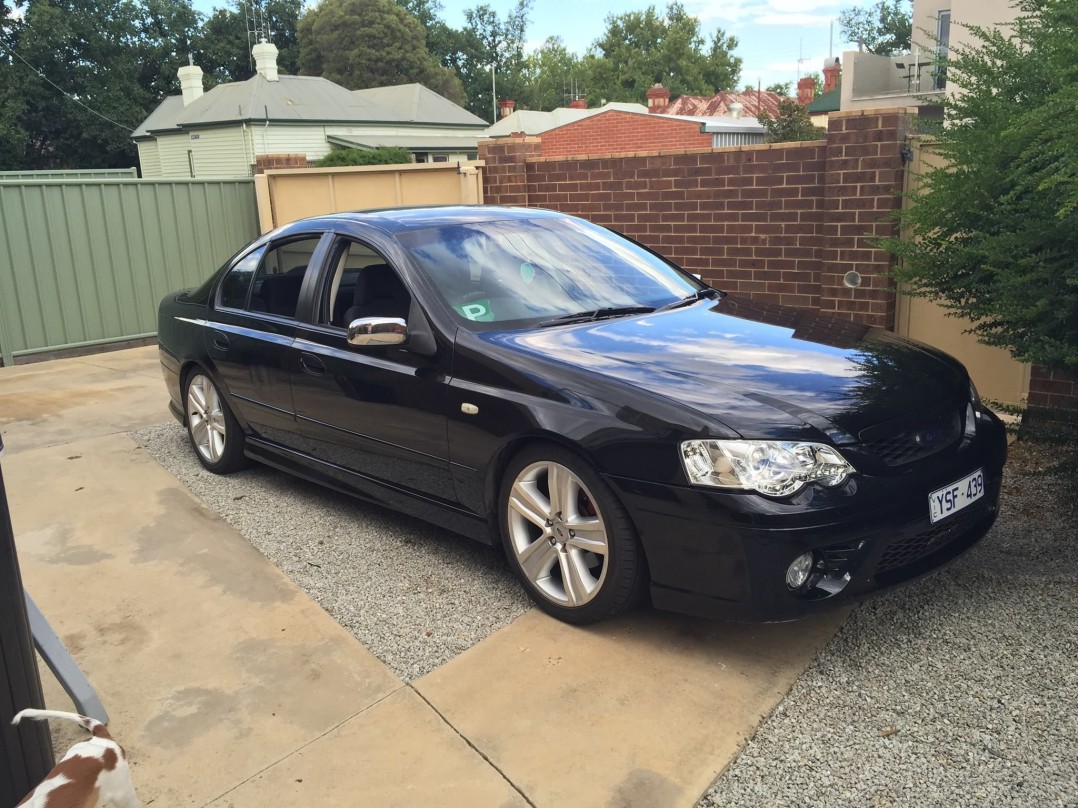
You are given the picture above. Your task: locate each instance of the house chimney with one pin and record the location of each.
(658, 96)
(832, 72)
(505, 107)
(736, 109)
(265, 54)
(190, 82)
(578, 103)
(806, 90)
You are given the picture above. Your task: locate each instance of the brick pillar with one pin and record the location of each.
(862, 182)
(505, 177)
(806, 90)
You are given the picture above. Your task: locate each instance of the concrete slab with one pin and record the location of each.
(397, 753)
(643, 711)
(49, 403)
(211, 663)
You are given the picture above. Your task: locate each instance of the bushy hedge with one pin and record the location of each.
(384, 155)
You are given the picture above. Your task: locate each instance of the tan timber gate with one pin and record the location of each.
(998, 376)
(285, 195)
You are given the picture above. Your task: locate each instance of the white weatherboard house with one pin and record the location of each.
(221, 133)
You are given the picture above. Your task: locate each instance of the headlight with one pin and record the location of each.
(776, 468)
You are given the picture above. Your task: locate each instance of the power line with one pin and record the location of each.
(67, 95)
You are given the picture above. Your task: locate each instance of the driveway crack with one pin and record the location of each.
(475, 748)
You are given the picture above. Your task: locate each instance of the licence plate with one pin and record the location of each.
(956, 496)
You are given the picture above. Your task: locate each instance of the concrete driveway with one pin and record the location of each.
(230, 687)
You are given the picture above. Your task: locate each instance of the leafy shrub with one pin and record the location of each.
(383, 155)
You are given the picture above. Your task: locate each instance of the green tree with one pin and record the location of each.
(75, 84)
(370, 43)
(885, 28)
(640, 48)
(551, 74)
(792, 124)
(224, 48)
(722, 70)
(994, 230)
(492, 44)
(168, 32)
(384, 155)
(781, 87)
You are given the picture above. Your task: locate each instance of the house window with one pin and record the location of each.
(943, 41)
(441, 158)
(422, 157)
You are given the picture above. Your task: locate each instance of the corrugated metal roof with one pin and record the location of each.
(534, 122)
(416, 103)
(306, 98)
(828, 102)
(291, 98)
(163, 117)
(718, 105)
(428, 143)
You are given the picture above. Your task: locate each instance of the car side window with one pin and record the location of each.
(279, 277)
(363, 285)
(237, 283)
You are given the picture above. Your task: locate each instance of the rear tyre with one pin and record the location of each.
(215, 434)
(568, 538)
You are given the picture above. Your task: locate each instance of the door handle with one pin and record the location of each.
(220, 341)
(312, 364)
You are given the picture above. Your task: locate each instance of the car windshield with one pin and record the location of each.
(511, 273)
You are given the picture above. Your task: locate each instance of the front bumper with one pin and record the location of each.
(725, 555)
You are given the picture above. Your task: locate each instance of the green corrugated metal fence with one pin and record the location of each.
(72, 174)
(84, 262)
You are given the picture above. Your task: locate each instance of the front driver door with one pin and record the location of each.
(375, 414)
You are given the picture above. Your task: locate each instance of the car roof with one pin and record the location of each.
(396, 220)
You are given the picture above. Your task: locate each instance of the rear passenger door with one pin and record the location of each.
(250, 337)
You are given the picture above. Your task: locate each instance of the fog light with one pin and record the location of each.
(799, 571)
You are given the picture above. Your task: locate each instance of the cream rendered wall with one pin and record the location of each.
(148, 159)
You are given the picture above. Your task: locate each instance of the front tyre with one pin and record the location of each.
(568, 538)
(213, 429)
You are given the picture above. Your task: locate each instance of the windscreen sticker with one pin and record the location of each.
(478, 311)
(527, 272)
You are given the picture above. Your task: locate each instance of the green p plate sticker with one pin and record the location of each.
(477, 311)
(527, 272)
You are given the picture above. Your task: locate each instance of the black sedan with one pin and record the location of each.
(526, 378)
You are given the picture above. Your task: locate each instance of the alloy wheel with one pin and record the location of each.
(558, 534)
(206, 418)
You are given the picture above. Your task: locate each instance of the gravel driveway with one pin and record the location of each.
(959, 690)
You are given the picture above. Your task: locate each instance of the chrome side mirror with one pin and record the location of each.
(375, 331)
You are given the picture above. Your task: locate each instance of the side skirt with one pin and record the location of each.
(444, 515)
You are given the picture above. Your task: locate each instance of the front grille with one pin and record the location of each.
(917, 441)
(909, 551)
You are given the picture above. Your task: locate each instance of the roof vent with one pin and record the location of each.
(736, 110)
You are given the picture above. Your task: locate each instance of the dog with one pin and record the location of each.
(92, 774)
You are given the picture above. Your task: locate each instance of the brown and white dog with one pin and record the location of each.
(93, 773)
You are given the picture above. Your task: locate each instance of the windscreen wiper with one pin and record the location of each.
(699, 294)
(596, 314)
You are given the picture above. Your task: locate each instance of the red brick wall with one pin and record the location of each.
(264, 162)
(780, 223)
(1052, 389)
(615, 132)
